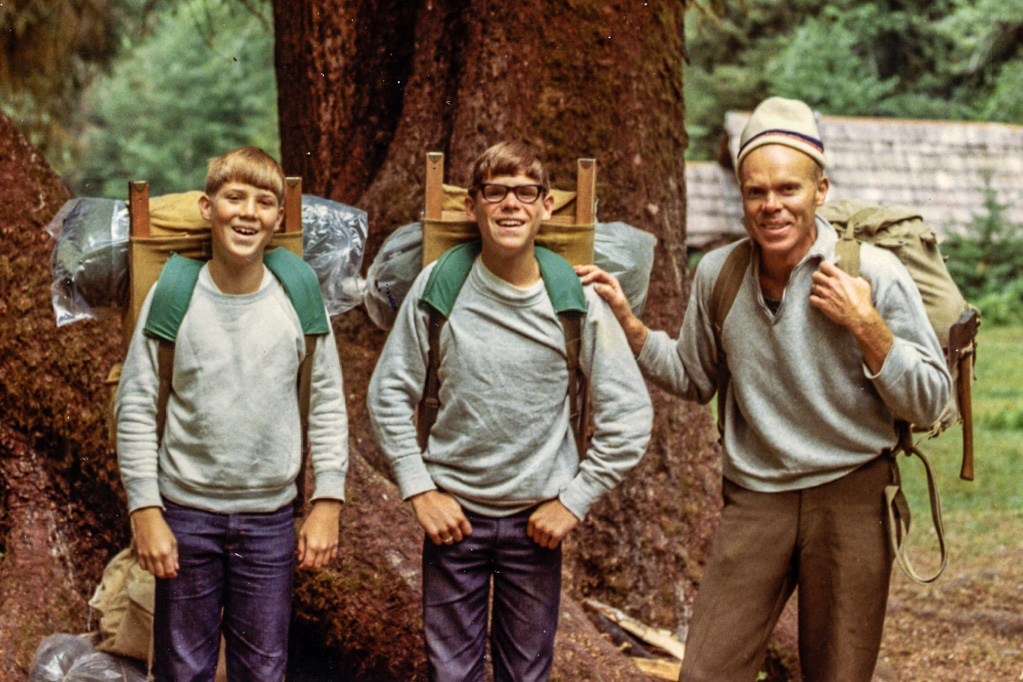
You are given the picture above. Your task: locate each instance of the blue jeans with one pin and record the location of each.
(241, 565)
(456, 590)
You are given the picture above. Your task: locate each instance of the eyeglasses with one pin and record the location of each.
(495, 194)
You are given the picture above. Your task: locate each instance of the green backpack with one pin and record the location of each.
(174, 293)
(566, 294)
(954, 321)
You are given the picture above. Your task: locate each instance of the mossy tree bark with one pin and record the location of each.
(61, 511)
(368, 87)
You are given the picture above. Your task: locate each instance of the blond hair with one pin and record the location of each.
(250, 165)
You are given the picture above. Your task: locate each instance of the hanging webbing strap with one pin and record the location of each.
(305, 382)
(897, 516)
(429, 404)
(578, 387)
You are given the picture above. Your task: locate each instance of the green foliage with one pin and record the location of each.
(846, 73)
(945, 59)
(202, 83)
(50, 51)
(987, 264)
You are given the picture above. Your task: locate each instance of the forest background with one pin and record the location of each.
(110, 90)
(127, 88)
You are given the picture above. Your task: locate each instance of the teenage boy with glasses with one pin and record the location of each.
(500, 483)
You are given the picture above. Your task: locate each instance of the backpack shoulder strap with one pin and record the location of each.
(448, 276)
(722, 296)
(442, 288)
(568, 300)
(563, 286)
(847, 249)
(174, 293)
(566, 293)
(171, 297)
(429, 403)
(303, 289)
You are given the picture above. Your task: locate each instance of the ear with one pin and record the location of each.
(470, 206)
(280, 218)
(548, 206)
(822, 191)
(205, 208)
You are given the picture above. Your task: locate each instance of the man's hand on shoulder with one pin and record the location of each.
(441, 516)
(610, 289)
(550, 523)
(317, 540)
(155, 544)
(847, 301)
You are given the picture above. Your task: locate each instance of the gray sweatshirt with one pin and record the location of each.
(232, 441)
(802, 409)
(502, 441)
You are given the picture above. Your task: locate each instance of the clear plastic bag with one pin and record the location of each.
(627, 253)
(392, 272)
(72, 658)
(622, 250)
(89, 262)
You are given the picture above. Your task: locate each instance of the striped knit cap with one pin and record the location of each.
(781, 121)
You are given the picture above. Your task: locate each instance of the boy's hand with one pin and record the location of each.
(550, 523)
(155, 544)
(441, 517)
(610, 289)
(317, 539)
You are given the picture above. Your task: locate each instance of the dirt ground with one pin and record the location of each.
(968, 626)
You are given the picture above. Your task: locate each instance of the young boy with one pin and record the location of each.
(500, 482)
(210, 497)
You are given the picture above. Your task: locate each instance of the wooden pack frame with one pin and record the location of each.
(569, 232)
(149, 247)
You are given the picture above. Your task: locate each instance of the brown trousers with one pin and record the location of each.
(830, 543)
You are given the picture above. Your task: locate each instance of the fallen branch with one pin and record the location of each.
(660, 668)
(658, 637)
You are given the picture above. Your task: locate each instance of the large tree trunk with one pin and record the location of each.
(368, 87)
(60, 510)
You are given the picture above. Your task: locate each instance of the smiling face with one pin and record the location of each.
(781, 190)
(243, 219)
(508, 227)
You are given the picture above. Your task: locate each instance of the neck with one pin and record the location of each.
(237, 280)
(521, 269)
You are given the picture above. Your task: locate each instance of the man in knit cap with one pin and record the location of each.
(821, 366)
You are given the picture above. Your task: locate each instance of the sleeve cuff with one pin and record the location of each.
(330, 485)
(412, 476)
(142, 494)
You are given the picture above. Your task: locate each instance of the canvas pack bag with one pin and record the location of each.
(123, 604)
(954, 321)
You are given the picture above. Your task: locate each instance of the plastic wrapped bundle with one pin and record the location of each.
(627, 253)
(620, 249)
(89, 262)
(333, 241)
(72, 658)
(392, 272)
(90, 259)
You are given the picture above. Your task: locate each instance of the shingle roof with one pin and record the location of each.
(940, 168)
